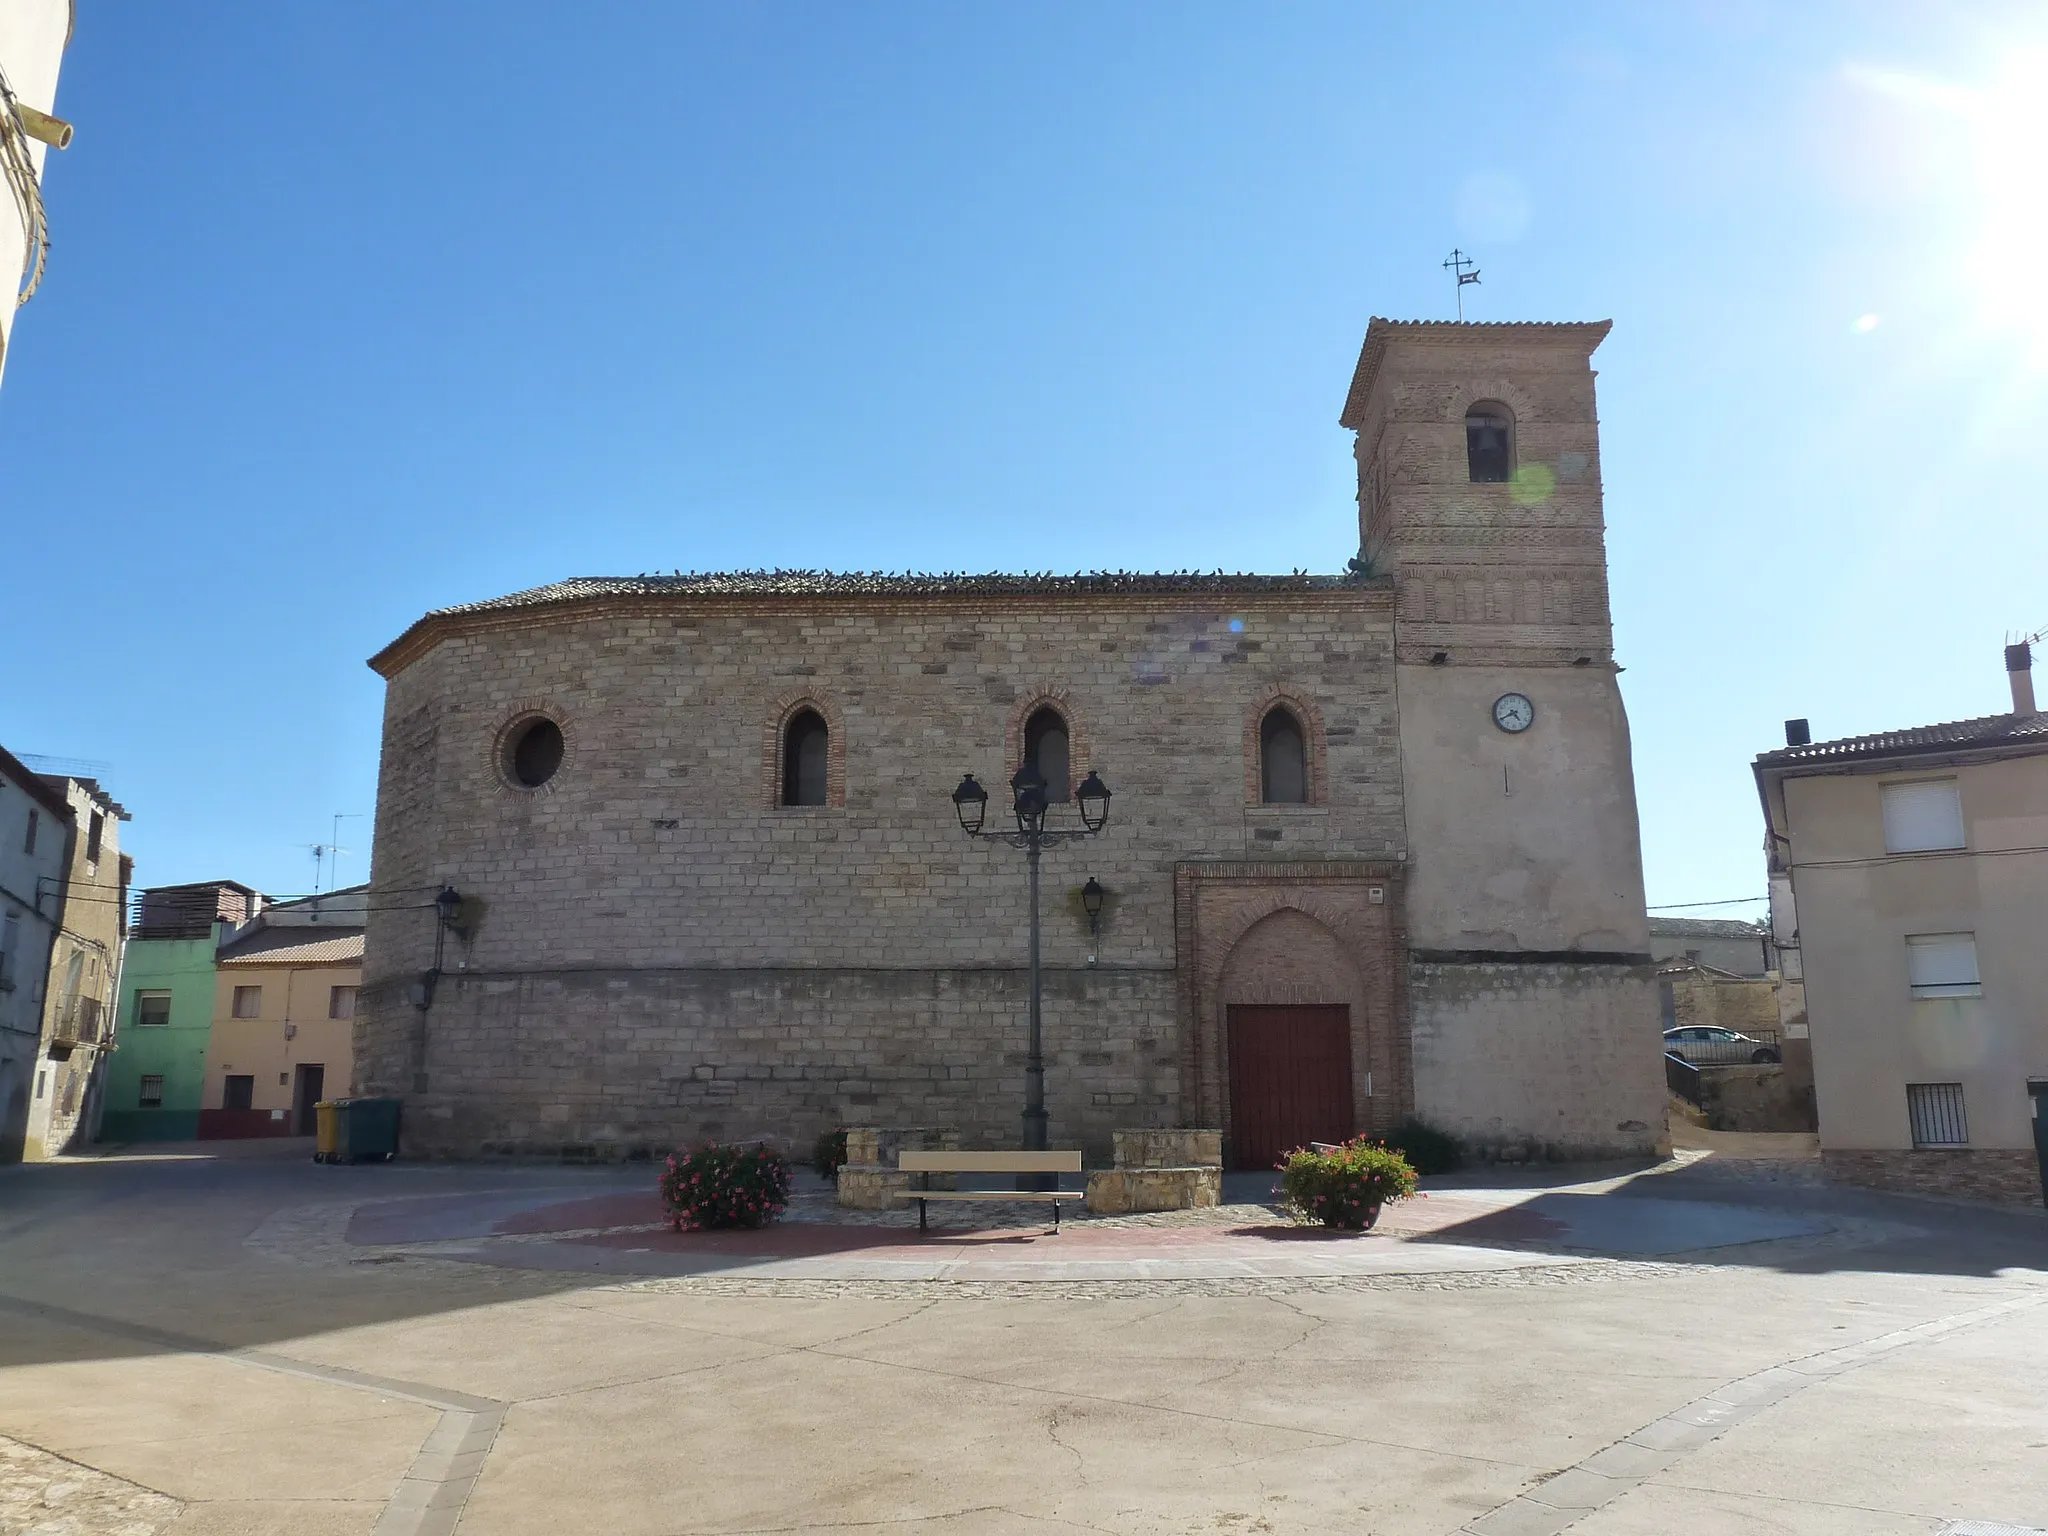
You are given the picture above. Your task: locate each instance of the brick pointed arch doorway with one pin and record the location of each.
(1290, 1079)
(1293, 1003)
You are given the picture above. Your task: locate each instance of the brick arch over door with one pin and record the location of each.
(1290, 959)
(1277, 933)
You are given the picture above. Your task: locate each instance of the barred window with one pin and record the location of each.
(1936, 1110)
(151, 1093)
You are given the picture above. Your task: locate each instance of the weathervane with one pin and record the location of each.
(1458, 262)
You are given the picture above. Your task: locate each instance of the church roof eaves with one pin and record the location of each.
(1380, 331)
(580, 591)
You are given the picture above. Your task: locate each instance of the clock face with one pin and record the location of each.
(1513, 712)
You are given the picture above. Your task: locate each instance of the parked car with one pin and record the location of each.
(1706, 1047)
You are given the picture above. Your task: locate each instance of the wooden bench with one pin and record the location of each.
(926, 1164)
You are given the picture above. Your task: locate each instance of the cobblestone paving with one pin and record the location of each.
(45, 1495)
(1579, 1272)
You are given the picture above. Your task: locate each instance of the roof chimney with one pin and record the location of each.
(1798, 733)
(2019, 671)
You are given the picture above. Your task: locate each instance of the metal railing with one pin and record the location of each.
(1728, 1053)
(1683, 1079)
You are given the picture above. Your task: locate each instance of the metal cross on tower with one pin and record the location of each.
(1459, 263)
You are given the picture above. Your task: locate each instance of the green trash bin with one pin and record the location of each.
(369, 1130)
(357, 1131)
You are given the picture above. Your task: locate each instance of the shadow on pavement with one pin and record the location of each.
(121, 1255)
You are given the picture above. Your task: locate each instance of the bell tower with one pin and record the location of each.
(1479, 493)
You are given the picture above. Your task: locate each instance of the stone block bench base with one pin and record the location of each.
(1128, 1191)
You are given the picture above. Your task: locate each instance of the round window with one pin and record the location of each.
(533, 751)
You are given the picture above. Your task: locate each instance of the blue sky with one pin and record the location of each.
(360, 310)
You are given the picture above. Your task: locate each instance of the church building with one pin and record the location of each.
(663, 858)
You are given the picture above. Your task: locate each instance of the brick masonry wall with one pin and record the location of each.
(1970, 1173)
(1569, 1070)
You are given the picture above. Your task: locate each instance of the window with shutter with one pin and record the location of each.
(1942, 964)
(1922, 815)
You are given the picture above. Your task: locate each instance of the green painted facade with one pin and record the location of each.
(175, 1052)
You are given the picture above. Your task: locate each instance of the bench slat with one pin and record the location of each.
(989, 1162)
(1068, 1196)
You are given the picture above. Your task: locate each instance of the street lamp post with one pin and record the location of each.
(1028, 804)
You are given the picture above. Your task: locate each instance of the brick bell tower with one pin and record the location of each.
(1479, 492)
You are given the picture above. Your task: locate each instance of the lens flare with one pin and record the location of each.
(1990, 134)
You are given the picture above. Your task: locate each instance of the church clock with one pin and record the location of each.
(1513, 713)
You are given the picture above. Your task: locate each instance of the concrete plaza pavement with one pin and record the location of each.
(249, 1343)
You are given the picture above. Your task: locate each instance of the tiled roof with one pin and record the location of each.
(885, 584)
(297, 946)
(1954, 736)
(843, 585)
(1704, 928)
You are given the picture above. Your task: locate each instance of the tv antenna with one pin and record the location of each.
(1466, 270)
(329, 853)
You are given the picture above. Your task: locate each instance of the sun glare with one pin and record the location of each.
(2000, 125)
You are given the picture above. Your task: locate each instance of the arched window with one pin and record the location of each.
(1490, 442)
(1283, 759)
(1045, 748)
(805, 744)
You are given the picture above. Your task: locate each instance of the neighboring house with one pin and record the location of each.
(1726, 944)
(1374, 846)
(1910, 880)
(1694, 995)
(154, 1082)
(35, 850)
(85, 971)
(284, 1006)
(33, 35)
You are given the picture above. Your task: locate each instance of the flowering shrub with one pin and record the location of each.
(724, 1186)
(828, 1153)
(1345, 1186)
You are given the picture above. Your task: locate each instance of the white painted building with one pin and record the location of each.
(33, 35)
(36, 830)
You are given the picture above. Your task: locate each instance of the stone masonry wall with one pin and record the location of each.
(2009, 1177)
(608, 1062)
(655, 860)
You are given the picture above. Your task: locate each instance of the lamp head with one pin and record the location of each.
(1027, 792)
(970, 803)
(1093, 796)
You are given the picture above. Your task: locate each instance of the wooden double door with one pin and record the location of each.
(1290, 1080)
